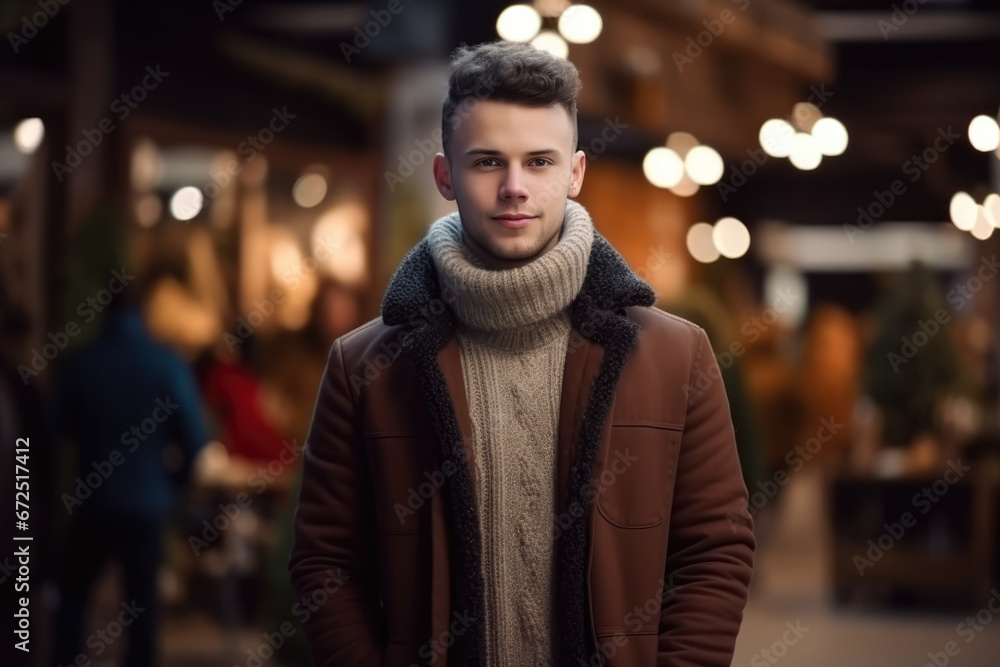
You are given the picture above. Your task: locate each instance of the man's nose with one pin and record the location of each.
(514, 184)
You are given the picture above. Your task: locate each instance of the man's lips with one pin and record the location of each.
(514, 220)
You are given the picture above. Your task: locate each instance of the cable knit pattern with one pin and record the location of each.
(513, 328)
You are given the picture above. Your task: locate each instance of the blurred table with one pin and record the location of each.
(929, 539)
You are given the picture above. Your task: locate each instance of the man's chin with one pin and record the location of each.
(505, 251)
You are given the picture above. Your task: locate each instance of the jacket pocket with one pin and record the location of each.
(635, 486)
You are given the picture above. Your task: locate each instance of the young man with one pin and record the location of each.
(521, 462)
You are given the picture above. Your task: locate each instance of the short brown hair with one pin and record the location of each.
(513, 72)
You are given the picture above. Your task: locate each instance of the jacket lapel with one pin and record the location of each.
(583, 359)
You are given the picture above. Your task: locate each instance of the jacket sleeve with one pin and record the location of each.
(333, 558)
(189, 427)
(711, 543)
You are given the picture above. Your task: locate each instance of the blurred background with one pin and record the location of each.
(197, 198)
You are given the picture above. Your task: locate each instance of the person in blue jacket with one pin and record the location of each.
(131, 408)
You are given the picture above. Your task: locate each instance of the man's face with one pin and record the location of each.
(511, 168)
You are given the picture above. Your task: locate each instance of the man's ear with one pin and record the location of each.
(576, 174)
(442, 177)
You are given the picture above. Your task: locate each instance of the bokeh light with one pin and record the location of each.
(704, 165)
(983, 229)
(663, 167)
(830, 135)
(551, 41)
(700, 244)
(28, 135)
(776, 137)
(984, 134)
(991, 207)
(309, 190)
(963, 211)
(186, 203)
(731, 237)
(518, 23)
(580, 24)
(805, 154)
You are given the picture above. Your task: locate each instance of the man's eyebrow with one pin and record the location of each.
(493, 151)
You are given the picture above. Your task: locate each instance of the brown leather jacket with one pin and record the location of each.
(654, 546)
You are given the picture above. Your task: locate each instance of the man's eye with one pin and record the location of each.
(541, 160)
(484, 161)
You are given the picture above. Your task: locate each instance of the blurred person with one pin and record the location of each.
(123, 401)
(517, 371)
(234, 395)
(335, 310)
(292, 369)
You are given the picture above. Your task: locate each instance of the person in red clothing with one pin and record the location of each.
(235, 397)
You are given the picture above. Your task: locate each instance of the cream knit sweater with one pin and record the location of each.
(513, 330)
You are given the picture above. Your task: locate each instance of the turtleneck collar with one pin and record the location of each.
(523, 307)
